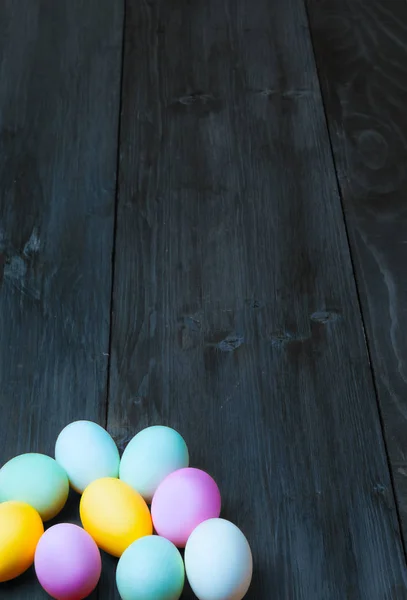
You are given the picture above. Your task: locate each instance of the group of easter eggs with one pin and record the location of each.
(151, 488)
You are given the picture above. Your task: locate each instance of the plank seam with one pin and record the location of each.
(113, 257)
(115, 218)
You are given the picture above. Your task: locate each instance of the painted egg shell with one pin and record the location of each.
(218, 561)
(150, 456)
(36, 479)
(151, 569)
(182, 501)
(86, 452)
(67, 562)
(20, 530)
(114, 514)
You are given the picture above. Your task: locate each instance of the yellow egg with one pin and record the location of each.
(114, 514)
(20, 530)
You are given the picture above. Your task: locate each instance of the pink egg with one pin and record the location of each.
(182, 501)
(67, 562)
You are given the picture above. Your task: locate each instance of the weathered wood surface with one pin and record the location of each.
(59, 106)
(236, 318)
(361, 53)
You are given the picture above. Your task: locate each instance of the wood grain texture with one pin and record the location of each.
(236, 318)
(361, 52)
(59, 106)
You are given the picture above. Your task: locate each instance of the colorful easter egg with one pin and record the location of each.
(67, 562)
(182, 501)
(36, 479)
(86, 452)
(218, 561)
(20, 530)
(150, 456)
(150, 569)
(114, 514)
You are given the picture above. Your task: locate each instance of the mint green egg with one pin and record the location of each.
(36, 479)
(150, 569)
(150, 456)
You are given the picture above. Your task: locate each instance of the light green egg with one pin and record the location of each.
(150, 457)
(36, 479)
(150, 569)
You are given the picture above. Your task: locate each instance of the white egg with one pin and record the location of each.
(218, 561)
(150, 456)
(87, 452)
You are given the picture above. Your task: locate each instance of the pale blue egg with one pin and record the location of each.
(151, 455)
(86, 452)
(218, 561)
(150, 569)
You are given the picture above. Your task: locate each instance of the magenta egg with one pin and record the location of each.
(67, 562)
(182, 501)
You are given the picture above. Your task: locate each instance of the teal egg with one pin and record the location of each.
(150, 569)
(150, 456)
(36, 479)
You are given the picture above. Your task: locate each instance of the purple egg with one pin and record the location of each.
(182, 501)
(67, 562)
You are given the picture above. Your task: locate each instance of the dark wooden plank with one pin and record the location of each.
(361, 52)
(236, 317)
(59, 105)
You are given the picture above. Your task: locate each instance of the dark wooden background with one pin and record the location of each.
(203, 224)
